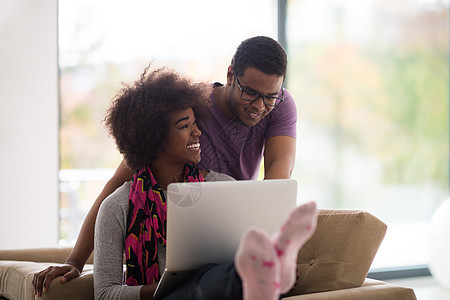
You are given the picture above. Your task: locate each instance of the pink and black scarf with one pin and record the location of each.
(146, 225)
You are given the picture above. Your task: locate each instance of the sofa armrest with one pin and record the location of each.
(78, 288)
(56, 255)
(371, 290)
(16, 282)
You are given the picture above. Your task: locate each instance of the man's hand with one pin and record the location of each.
(42, 279)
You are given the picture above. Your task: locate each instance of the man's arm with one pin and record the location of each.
(279, 157)
(85, 242)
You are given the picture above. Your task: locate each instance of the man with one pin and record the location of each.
(252, 117)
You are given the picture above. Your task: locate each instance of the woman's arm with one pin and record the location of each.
(147, 291)
(85, 242)
(110, 230)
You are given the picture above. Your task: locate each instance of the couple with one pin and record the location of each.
(154, 124)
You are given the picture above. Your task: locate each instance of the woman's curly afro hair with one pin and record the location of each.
(138, 117)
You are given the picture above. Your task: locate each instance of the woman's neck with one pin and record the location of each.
(165, 173)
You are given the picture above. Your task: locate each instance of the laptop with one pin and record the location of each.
(205, 221)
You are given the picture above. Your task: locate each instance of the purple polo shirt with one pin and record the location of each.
(230, 147)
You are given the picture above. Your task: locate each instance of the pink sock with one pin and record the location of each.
(257, 264)
(297, 229)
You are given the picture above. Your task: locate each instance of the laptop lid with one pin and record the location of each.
(205, 220)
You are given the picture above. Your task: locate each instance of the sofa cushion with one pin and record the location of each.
(340, 252)
(371, 290)
(16, 282)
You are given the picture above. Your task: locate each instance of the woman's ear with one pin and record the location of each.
(230, 75)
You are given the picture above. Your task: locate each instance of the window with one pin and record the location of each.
(103, 43)
(371, 83)
(370, 79)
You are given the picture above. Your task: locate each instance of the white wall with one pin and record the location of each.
(28, 123)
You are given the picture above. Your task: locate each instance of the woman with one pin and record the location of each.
(154, 126)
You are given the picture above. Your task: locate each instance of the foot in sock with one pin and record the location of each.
(258, 266)
(298, 228)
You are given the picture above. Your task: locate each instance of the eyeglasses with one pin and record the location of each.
(252, 96)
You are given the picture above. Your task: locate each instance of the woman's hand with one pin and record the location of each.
(148, 290)
(42, 279)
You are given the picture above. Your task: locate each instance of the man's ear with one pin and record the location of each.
(230, 75)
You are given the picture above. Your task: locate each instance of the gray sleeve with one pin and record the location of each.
(110, 229)
(216, 176)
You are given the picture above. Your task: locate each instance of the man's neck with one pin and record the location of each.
(221, 96)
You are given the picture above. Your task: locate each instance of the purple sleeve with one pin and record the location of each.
(283, 118)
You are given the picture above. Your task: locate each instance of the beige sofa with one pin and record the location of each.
(333, 264)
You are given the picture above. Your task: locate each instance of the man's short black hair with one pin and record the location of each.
(262, 53)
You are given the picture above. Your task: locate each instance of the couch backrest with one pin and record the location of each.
(340, 252)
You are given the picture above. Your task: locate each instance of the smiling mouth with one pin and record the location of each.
(194, 146)
(253, 115)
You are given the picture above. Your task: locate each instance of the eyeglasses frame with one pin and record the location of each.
(259, 95)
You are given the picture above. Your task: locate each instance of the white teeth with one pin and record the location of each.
(195, 146)
(253, 114)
